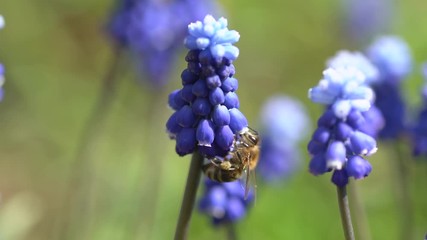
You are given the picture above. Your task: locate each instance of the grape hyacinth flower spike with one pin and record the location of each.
(153, 32)
(364, 19)
(1, 65)
(420, 129)
(225, 203)
(284, 123)
(207, 116)
(337, 144)
(345, 59)
(393, 58)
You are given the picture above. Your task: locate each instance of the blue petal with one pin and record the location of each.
(231, 52)
(315, 148)
(340, 178)
(188, 77)
(200, 89)
(172, 126)
(362, 144)
(202, 43)
(328, 119)
(216, 96)
(341, 108)
(321, 135)
(231, 100)
(343, 131)
(317, 165)
(190, 42)
(355, 119)
(221, 115)
(358, 167)
(237, 120)
(224, 137)
(187, 93)
(319, 95)
(205, 133)
(213, 82)
(201, 106)
(235, 209)
(186, 141)
(335, 155)
(185, 117)
(229, 84)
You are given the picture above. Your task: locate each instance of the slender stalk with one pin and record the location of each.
(193, 180)
(403, 192)
(144, 223)
(345, 213)
(359, 214)
(231, 231)
(76, 203)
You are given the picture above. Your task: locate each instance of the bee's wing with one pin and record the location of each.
(250, 182)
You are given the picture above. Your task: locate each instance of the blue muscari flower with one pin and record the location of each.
(367, 18)
(1, 66)
(356, 60)
(207, 114)
(346, 59)
(214, 35)
(225, 202)
(392, 57)
(344, 89)
(284, 122)
(339, 144)
(1, 22)
(153, 31)
(419, 135)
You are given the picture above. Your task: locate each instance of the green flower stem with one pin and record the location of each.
(77, 195)
(359, 213)
(231, 231)
(345, 213)
(187, 205)
(144, 224)
(403, 191)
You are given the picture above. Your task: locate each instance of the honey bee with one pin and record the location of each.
(242, 158)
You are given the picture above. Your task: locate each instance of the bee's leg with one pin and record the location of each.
(215, 161)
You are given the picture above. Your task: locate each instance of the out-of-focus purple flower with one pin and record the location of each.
(2, 70)
(1, 22)
(207, 113)
(339, 143)
(284, 122)
(419, 132)
(392, 57)
(225, 202)
(153, 31)
(366, 18)
(347, 59)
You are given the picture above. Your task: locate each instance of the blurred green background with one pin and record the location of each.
(56, 54)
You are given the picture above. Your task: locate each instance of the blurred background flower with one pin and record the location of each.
(153, 31)
(225, 203)
(393, 58)
(284, 124)
(419, 131)
(365, 19)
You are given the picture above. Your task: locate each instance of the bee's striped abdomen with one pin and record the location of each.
(218, 174)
